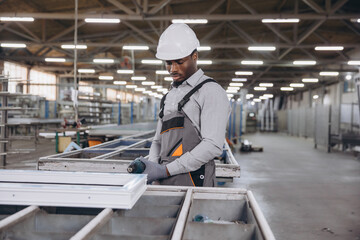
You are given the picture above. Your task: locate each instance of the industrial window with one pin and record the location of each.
(43, 84)
(16, 74)
(111, 94)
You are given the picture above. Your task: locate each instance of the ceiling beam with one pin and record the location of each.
(159, 6)
(140, 32)
(338, 5)
(66, 31)
(27, 31)
(314, 6)
(122, 7)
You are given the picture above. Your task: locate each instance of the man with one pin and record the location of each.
(193, 116)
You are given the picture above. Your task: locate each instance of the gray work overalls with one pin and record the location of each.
(178, 136)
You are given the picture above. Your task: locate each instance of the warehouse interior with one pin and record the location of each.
(81, 90)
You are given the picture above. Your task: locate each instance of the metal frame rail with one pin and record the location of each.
(162, 212)
(116, 155)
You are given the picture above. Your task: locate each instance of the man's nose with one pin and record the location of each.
(174, 67)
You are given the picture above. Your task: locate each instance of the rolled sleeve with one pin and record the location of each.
(215, 110)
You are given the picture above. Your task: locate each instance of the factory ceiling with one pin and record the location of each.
(232, 27)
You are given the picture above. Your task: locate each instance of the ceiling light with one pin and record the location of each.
(248, 96)
(233, 88)
(353, 62)
(263, 48)
(260, 88)
(140, 89)
(159, 95)
(348, 77)
(135, 47)
(204, 62)
(231, 91)
(162, 72)
(329, 73)
(169, 79)
(13, 45)
(230, 95)
(131, 86)
(120, 82)
(125, 71)
(304, 62)
(297, 85)
(204, 48)
(257, 100)
(358, 20)
(71, 46)
(190, 21)
(266, 84)
(268, 95)
(252, 103)
(236, 84)
(106, 78)
(243, 73)
(315, 96)
(138, 78)
(251, 62)
(102, 20)
(16, 19)
(151, 61)
(55, 59)
(161, 89)
(310, 80)
(86, 70)
(329, 48)
(239, 79)
(147, 92)
(148, 83)
(263, 97)
(165, 91)
(156, 87)
(281, 20)
(103, 60)
(286, 89)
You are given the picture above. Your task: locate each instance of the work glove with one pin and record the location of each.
(154, 170)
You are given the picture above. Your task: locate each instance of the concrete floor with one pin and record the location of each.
(304, 193)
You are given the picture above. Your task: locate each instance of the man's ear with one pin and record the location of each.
(195, 56)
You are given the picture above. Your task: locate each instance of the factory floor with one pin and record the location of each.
(304, 193)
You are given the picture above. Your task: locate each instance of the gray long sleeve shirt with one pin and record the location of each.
(209, 110)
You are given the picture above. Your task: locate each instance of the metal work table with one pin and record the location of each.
(121, 130)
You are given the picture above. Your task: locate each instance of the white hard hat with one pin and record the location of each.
(177, 41)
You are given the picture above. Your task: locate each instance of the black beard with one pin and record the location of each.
(176, 84)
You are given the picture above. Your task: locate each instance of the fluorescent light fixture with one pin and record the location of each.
(304, 62)
(148, 83)
(315, 96)
(103, 60)
(138, 78)
(86, 70)
(236, 84)
(140, 89)
(286, 89)
(17, 19)
(248, 96)
(252, 62)
(135, 47)
(268, 95)
(310, 80)
(260, 88)
(55, 59)
(162, 72)
(204, 48)
(231, 91)
(230, 95)
(165, 91)
(266, 84)
(120, 82)
(131, 86)
(353, 63)
(263, 97)
(329, 48)
(159, 95)
(329, 74)
(348, 77)
(261, 48)
(13, 45)
(102, 20)
(252, 103)
(297, 85)
(156, 87)
(257, 100)
(233, 88)
(190, 21)
(281, 20)
(125, 71)
(151, 61)
(245, 73)
(239, 79)
(358, 20)
(168, 79)
(106, 78)
(71, 46)
(161, 89)
(204, 62)
(147, 92)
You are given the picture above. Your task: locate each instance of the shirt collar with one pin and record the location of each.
(193, 79)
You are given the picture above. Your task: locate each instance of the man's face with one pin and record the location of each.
(181, 69)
